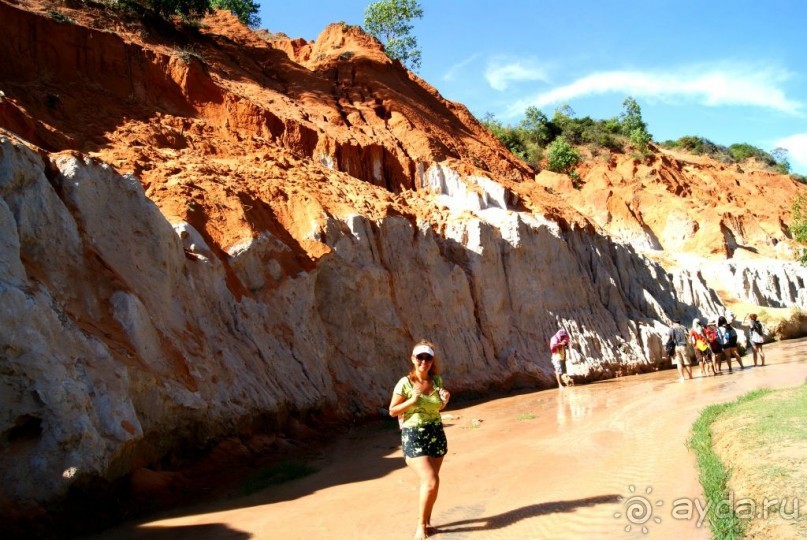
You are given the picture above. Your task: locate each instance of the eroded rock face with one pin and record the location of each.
(122, 334)
(775, 284)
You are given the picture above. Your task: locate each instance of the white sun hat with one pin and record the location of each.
(419, 349)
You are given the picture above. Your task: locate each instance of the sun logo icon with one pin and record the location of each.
(638, 510)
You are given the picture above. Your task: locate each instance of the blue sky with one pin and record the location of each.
(729, 71)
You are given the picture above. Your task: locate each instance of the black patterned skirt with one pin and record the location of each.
(426, 440)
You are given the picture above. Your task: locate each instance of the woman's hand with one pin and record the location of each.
(445, 395)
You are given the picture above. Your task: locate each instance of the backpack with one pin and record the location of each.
(700, 342)
(729, 336)
(757, 333)
(711, 336)
(669, 347)
(680, 334)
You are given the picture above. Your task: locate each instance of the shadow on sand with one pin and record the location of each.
(212, 531)
(508, 518)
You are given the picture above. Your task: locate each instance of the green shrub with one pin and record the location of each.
(513, 138)
(699, 146)
(561, 156)
(640, 139)
(570, 127)
(742, 151)
(535, 154)
(537, 127)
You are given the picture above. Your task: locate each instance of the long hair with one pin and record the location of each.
(435, 367)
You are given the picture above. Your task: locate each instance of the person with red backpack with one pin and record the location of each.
(703, 354)
(710, 333)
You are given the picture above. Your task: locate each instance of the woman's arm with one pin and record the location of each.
(398, 404)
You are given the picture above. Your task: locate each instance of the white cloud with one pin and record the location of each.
(453, 70)
(716, 85)
(796, 148)
(500, 74)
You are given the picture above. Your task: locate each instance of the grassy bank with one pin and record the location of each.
(752, 460)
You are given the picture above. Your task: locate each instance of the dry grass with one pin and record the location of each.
(763, 444)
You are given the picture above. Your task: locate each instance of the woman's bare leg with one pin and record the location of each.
(739, 360)
(428, 470)
(437, 463)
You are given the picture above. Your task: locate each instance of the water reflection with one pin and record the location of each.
(573, 404)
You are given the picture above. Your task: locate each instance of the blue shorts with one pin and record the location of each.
(426, 440)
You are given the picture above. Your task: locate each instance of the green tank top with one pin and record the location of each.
(427, 408)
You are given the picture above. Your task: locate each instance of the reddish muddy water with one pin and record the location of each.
(592, 461)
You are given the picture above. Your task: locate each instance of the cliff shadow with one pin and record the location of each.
(364, 452)
(212, 531)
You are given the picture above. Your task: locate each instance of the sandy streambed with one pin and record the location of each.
(598, 461)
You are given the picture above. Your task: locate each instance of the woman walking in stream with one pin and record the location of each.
(417, 399)
(757, 339)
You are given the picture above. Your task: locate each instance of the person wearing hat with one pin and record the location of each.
(557, 346)
(418, 399)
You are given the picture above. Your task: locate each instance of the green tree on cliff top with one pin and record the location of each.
(390, 22)
(245, 10)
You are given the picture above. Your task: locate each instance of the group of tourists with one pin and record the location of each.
(711, 344)
(419, 396)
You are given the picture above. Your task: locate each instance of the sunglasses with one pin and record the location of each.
(424, 357)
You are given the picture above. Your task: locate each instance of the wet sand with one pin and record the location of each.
(582, 462)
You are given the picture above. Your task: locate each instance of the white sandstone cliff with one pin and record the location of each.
(121, 336)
